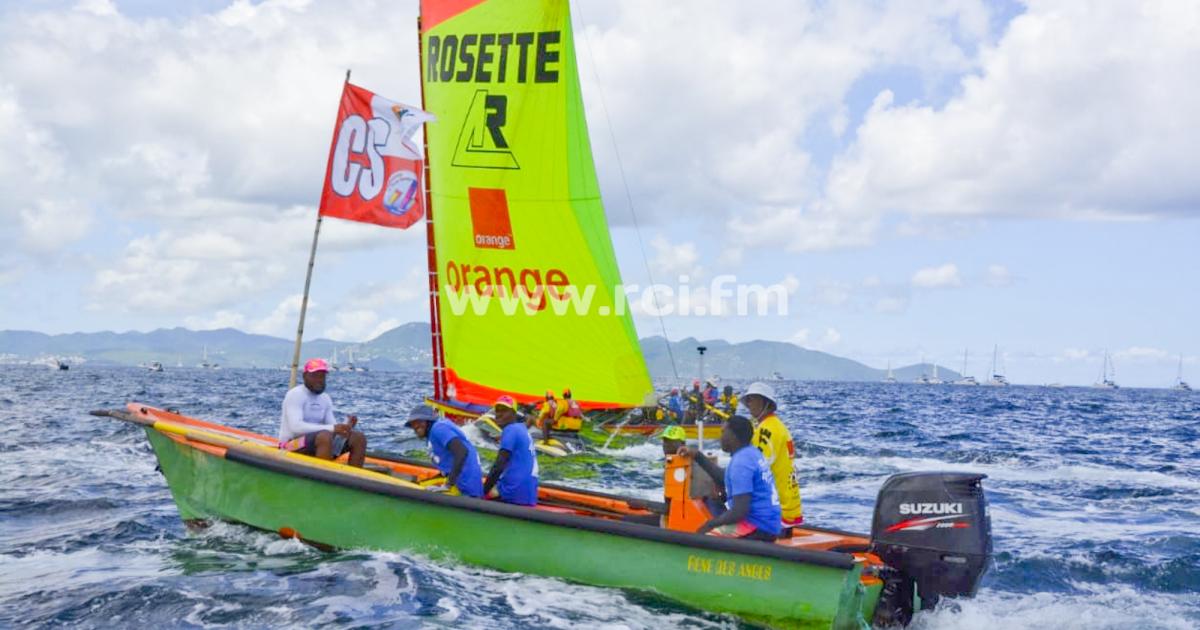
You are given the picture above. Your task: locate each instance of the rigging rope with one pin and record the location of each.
(628, 197)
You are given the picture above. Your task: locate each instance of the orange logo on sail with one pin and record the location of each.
(489, 218)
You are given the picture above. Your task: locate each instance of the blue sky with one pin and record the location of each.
(924, 181)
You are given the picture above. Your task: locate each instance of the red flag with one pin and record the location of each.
(375, 170)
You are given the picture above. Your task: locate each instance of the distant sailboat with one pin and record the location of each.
(1107, 374)
(964, 379)
(934, 380)
(998, 379)
(1181, 384)
(205, 364)
(890, 378)
(923, 379)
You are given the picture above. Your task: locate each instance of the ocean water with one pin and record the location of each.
(1093, 499)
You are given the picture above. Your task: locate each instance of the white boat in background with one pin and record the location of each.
(1107, 375)
(923, 379)
(1180, 384)
(204, 364)
(155, 366)
(997, 379)
(934, 380)
(890, 378)
(963, 379)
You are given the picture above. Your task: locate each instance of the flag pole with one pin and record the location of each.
(312, 257)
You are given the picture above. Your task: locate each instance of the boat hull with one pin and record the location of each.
(711, 431)
(719, 575)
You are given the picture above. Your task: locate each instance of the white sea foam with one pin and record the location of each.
(1112, 608)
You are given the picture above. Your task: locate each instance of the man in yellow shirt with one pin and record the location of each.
(773, 439)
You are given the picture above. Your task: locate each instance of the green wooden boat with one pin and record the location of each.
(820, 578)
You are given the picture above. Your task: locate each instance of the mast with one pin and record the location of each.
(435, 309)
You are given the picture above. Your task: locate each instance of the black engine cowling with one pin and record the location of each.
(934, 531)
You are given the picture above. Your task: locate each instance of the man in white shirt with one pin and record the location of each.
(308, 426)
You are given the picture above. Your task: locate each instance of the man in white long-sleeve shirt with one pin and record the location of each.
(308, 426)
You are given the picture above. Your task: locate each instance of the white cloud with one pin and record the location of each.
(937, 277)
(832, 293)
(220, 319)
(891, 304)
(673, 259)
(282, 321)
(1058, 121)
(53, 224)
(826, 341)
(998, 276)
(359, 325)
(1142, 353)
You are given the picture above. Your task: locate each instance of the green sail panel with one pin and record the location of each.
(529, 292)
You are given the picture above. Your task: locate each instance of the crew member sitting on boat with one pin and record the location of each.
(570, 414)
(675, 406)
(652, 412)
(515, 471)
(548, 415)
(774, 440)
(308, 425)
(729, 401)
(710, 393)
(750, 497)
(695, 403)
(452, 452)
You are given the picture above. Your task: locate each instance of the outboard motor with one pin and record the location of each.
(933, 530)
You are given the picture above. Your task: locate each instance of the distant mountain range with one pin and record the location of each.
(407, 348)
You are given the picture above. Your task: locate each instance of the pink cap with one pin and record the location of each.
(316, 365)
(506, 401)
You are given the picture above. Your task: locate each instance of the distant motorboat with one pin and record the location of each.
(776, 376)
(62, 365)
(1107, 375)
(155, 367)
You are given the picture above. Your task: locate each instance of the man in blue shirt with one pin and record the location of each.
(750, 495)
(675, 405)
(453, 453)
(515, 472)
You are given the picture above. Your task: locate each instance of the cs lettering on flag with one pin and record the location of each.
(374, 172)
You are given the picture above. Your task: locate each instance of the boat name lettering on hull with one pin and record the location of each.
(729, 568)
(490, 57)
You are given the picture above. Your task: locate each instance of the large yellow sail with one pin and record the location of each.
(529, 293)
